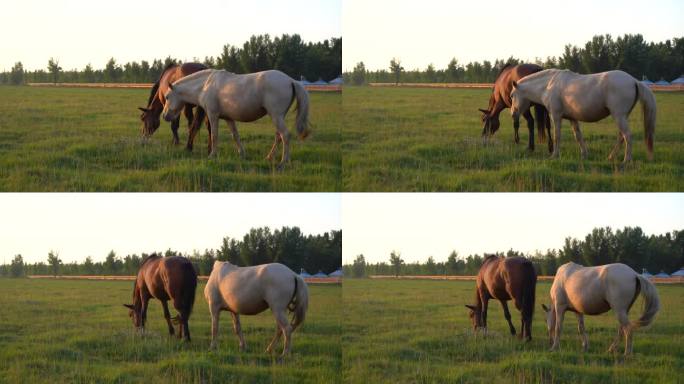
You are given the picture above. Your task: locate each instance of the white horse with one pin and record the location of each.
(242, 98)
(596, 290)
(589, 98)
(251, 290)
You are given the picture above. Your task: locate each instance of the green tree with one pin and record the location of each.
(17, 74)
(396, 262)
(359, 267)
(54, 262)
(359, 74)
(17, 266)
(54, 69)
(396, 69)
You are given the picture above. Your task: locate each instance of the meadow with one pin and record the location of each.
(401, 331)
(77, 139)
(418, 139)
(67, 331)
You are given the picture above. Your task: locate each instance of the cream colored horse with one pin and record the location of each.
(242, 98)
(596, 290)
(590, 98)
(252, 290)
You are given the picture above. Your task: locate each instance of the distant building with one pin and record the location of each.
(679, 273)
(320, 274)
(337, 81)
(339, 273)
(661, 82)
(645, 273)
(662, 274)
(678, 81)
(303, 273)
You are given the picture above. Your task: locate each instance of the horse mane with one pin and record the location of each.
(489, 257)
(150, 257)
(155, 87)
(506, 66)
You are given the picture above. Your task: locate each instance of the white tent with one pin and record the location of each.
(303, 81)
(320, 274)
(647, 82)
(303, 273)
(661, 82)
(319, 82)
(337, 273)
(679, 80)
(679, 273)
(337, 81)
(645, 273)
(662, 274)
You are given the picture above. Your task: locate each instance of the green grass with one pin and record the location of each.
(419, 332)
(69, 139)
(78, 332)
(410, 139)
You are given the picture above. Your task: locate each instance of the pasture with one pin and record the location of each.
(67, 331)
(403, 331)
(423, 139)
(80, 139)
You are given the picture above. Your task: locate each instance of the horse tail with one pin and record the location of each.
(529, 288)
(651, 302)
(189, 287)
(299, 302)
(648, 104)
(302, 120)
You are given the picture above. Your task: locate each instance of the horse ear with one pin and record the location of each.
(545, 308)
(515, 84)
(143, 109)
(486, 112)
(129, 306)
(171, 86)
(472, 308)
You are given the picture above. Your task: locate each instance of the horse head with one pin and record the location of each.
(135, 315)
(519, 104)
(490, 123)
(475, 315)
(550, 322)
(150, 121)
(173, 106)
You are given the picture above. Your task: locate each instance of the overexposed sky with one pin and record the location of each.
(81, 224)
(78, 32)
(419, 225)
(433, 31)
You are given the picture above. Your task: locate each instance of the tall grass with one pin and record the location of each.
(69, 331)
(419, 332)
(73, 139)
(408, 139)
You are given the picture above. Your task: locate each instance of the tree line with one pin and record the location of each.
(287, 245)
(630, 53)
(629, 245)
(287, 53)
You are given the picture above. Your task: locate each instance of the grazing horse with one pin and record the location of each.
(242, 98)
(155, 103)
(165, 278)
(503, 279)
(252, 290)
(596, 290)
(590, 98)
(501, 99)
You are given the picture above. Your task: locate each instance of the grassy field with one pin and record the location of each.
(419, 332)
(69, 331)
(408, 139)
(74, 139)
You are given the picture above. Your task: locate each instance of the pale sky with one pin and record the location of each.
(419, 225)
(433, 31)
(77, 225)
(78, 32)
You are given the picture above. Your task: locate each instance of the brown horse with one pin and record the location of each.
(165, 278)
(501, 99)
(503, 279)
(155, 103)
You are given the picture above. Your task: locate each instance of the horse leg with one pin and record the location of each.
(189, 116)
(274, 341)
(174, 129)
(560, 312)
(578, 137)
(213, 123)
(194, 129)
(557, 120)
(617, 146)
(530, 127)
(582, 332)
(507, 315)
(547, 124)
(237, 328)
(269, 157)
(143, 310)
(279, 122)
(485, 304)
(167, 316)
(236, 137)
(616, 341)
(215, 312)
(286, 329)
(623, 125)
(625, 329)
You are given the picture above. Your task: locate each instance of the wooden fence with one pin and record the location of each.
(659, 280)
(310, 88)
(309, 280)
(665, 88)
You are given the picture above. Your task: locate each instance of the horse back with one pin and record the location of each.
(503, 86)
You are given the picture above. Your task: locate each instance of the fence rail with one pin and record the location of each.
(309, 280)
(663, 280)
(310, 88)
(667, 88)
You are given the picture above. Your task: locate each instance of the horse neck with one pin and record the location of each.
(190, 87)
(137, 300)
(534, 86)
